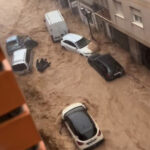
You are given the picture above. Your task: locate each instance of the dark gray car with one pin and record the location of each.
(16, 42)
(106, 66)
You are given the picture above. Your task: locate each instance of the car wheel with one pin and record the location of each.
(63, 47)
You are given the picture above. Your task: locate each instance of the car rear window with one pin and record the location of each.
(12, 43)
(88, 134)
(19, 67)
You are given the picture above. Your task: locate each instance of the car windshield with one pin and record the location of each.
(12, 43)
(82, 43)
(81, 124)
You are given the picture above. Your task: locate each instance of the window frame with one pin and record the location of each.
(137, 18)
(118, 9)
(71, 126)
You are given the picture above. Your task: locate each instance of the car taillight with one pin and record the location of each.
(107, 75)
(80, 143)
(99, 133)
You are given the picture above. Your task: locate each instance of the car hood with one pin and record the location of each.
(85, 50)
(93, 46)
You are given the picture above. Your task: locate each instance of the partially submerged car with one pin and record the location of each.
(106, 66)
(76, 43)
(81, 126)
(22, 61)
(16, 42)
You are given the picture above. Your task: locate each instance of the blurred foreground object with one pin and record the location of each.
(17, 129)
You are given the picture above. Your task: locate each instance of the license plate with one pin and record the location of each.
(118, 73)
(91, 141)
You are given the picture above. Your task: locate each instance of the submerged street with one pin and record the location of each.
(121, 107)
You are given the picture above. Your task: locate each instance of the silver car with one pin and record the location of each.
(22, 60)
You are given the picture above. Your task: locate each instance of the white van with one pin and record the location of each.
(56, 25)
(22, 60)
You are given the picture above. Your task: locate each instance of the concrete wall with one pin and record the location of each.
(125, 24)
(135, 51)
(89, 2)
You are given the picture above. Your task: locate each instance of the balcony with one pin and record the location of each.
(104, 13)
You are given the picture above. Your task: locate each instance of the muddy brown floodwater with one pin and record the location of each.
(121, 108)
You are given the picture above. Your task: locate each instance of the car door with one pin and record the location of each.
(70, 46)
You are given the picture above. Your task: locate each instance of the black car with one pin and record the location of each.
(82, 127)
(106, 66)
(17, 42)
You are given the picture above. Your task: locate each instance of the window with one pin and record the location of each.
(119, 10)
(137, 17)
(82, 42)
(28, 56)
(70, 43)
(71, 126)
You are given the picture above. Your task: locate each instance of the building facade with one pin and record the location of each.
(128, 24)
(123, 21)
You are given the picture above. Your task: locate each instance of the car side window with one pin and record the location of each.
(70, 43)
(71, 126)
(28, 56)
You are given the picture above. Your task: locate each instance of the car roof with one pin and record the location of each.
(81, 121)
(109, 60)
(54, 17)
(12, 38)
(72, 37)
(106, 60)
(19, 55)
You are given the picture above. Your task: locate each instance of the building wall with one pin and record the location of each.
(125, 24)
(73, 5)
(120, 38)
(135, 50)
